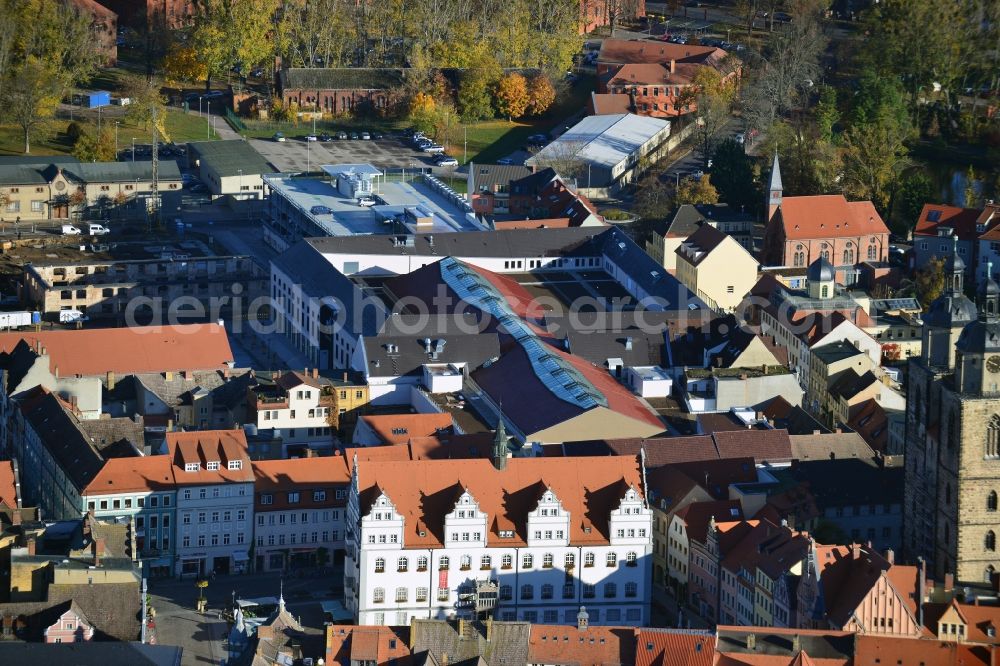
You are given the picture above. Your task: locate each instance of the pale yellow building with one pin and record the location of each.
(716, 268)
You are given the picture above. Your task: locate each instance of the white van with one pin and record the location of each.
(70, 230)
(98, 230)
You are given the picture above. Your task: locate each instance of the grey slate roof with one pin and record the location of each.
(41, 172)
(508, 644)
(340, 78)
(116, 437)
(409, 354)
(319, 279)
(230, 157)
(21, 175)
(66, 441)
(686, 219)
(490, 175)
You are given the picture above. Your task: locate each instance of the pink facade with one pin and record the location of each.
(839, 251)
(882, 611)
(70, 628)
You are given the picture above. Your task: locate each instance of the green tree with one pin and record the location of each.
(970, 198)
(422, 112)
(475, 90)
(826, 113)
(714, 94)
(929, 282)
(95, 147)
(915, 190)
(31, 95)
(874, 156)
(146, 101)
(696, 191)
(512, 96)
(732, 175)
(879, 99)
(652, 198)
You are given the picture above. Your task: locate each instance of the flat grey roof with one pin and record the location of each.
(338, 170)
(350, 219)
(511, 243)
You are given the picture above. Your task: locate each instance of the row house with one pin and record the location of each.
(214, 483)
(139, 489)
(307, 409)
(689, 524)
(971, 233)
(299, 508)
(533, 538)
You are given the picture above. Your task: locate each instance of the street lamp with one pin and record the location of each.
(200, 97)
(208, 120)
(133, 150)
(307, 157)
(116, 139)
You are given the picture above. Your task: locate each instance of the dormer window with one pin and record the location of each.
(191, 467)
(235, 464)
(213, 465)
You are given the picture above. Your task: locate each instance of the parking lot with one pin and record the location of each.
(388, 153)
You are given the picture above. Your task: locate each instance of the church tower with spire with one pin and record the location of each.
(500, 448)
(774, 189)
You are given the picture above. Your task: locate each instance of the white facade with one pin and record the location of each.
(442, 378)
(215, 526)
(299, 419)
(547, 580)
(649, 381)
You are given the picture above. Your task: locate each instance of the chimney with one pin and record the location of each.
(31, 545)
(55, 371)
(751, 641)
(949, 582)
(921, 589)
(461, 628)
(582, 619)
(98, 547)
(187, 374)
(673, 65)
(168, 375)
(315, 373)
(111, 380)
(856, 551)
(890, 556)
(489, 628)
(796, 644)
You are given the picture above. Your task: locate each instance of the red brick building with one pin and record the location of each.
(340, 90)
(104, 26)
(650, 77)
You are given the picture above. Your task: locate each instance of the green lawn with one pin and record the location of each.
(50, 138)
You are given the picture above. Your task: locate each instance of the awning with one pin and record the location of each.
(336, 611)
(240, 556)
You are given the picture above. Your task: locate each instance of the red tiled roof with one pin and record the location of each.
(961, 220)
(647, 51)
(377, 645)
(697, 515)
(134, 474)
(593, 646)
(8, 492)
(764, 445)
(435, 447)
(399, 428)
(97, 351)
(603, 104)
(425, 491)
(829, 216)
(554, 223)
(873, 650)
(669, 647)
(205, 446)
(978, 620)
(294, 473)
(654, 74)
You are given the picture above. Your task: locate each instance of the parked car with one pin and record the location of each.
(311, 137)
(278, 136)
(325, 138)
(433, 148)
(354, 136)
(446, 161)
(320, 210)
(697, 174)
(739, 138)
(366, 201)
(98, 230)
(342, 135)
(538, 139)
(70, 230)
(366, 136)
(378, 135)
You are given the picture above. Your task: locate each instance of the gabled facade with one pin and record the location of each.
(430, 536)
